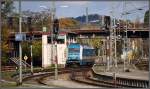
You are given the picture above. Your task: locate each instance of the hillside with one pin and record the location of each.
(68, 23)
(92, 18)
(80, 21)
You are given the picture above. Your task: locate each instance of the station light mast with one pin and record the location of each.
(20, 48)
(0, 42)
(53, 30)
(87, 16)
(125, 38)
(113, 40)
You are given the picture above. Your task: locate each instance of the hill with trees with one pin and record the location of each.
(91, 18)
(68, 23)
(146, 19)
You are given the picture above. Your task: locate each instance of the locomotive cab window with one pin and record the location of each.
(74, 50)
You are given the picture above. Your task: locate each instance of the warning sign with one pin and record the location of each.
(25, 57)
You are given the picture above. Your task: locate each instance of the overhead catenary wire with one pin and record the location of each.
(133, 10)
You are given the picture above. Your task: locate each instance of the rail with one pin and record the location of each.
(125, 82)
(88, 76)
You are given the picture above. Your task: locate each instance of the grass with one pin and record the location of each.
(12, 82)
(12, 85)
(8, 85)
(7, 75)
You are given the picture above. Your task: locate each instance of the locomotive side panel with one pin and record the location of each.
(80, 55)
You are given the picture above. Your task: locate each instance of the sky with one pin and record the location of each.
(78, 8)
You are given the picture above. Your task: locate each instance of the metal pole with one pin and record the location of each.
(113, 34)
(87, 16)
(108, 56)
(52, 42)
(110, 48)
(52, 19)
(142, 48)
(20, 48)
(115, 45)
(149, 42)
(31, 59)
(53, 16)
(56, 61)
(124, 67)
(0, 43)
(126, 38)
(114, 42)
(105, 54)
(111, 43)
(25, 66)
(114, 76)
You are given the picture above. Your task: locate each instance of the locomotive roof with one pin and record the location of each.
(78, 45)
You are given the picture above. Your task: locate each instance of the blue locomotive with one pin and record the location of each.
(80, 55)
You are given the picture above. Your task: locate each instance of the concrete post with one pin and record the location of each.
(45, 61)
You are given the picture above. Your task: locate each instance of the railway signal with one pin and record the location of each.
(29, 22)
(107, 21)
(56, 27)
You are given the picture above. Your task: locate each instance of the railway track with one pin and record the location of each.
(39, 76)
(123, 82)
(107, 81)
(84, 75)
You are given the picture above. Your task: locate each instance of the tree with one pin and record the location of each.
(95, 42)
(68, 23)
(119, 48)
(5, 10)
(4, 44)
(37, 51)
(146, 19)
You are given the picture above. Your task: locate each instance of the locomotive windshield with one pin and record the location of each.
(74, 50)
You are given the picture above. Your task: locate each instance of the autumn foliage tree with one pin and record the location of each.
(95, 42)
(68, 23)
(146, 19)
(6, 9)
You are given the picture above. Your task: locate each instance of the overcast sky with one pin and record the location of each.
(77, 8)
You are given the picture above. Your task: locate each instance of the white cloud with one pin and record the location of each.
(78, 2)
(64, 6)
(73, 3)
